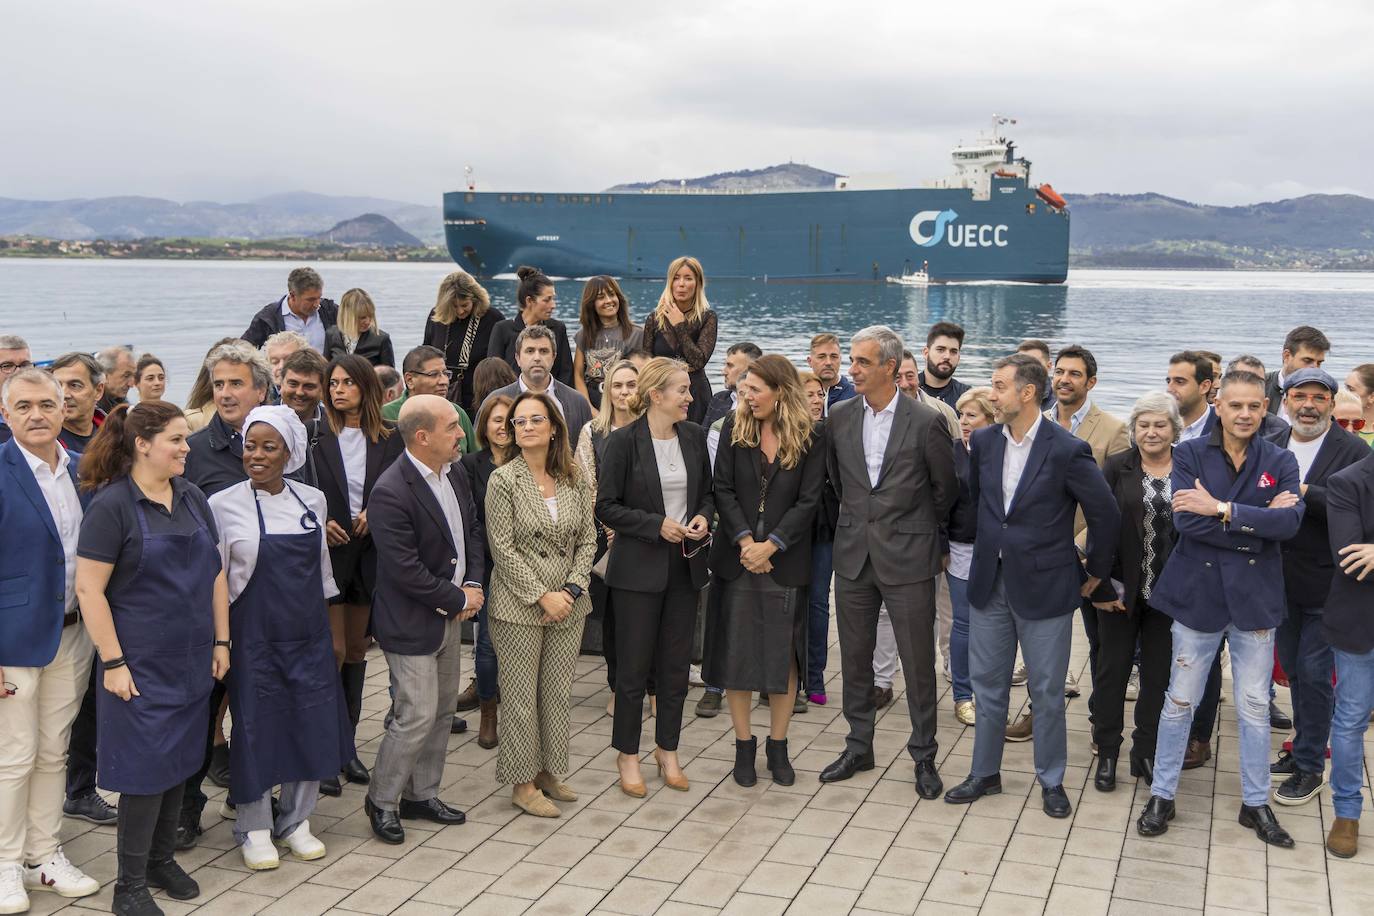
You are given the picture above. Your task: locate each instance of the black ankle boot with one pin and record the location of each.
(778, 764)
(745, 751)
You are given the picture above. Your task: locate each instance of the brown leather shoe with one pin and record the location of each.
(1021, 729)
(1344, 838)
(1199, 752)
(486, 735)
(467, 700)
(881, 696)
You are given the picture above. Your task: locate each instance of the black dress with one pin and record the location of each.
(693, 342)
(451, 338)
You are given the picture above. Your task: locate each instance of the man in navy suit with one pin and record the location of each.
(1028, 477)
(1322, 449)
(1236, 498)
(45, 654)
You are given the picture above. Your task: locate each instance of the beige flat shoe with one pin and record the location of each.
(963, 711)
(554, 788)
(536, 804)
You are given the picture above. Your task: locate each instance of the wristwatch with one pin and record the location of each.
(1221, 509)
(573, 590)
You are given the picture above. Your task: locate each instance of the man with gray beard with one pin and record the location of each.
(1322, 449)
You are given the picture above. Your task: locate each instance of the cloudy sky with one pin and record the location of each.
(1219, 102)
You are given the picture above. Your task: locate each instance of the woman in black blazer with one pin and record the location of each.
(770, 472)
(654, 491)
(461, 326)
(1139, 478)
(357, 331)
(353, 450)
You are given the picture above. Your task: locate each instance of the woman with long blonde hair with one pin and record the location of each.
(460, 326)
(358, 331)
(683, 327)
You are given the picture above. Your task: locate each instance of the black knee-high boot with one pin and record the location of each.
(354, 675)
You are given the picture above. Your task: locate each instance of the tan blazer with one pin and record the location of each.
(533, 554)
(1105, 435)
(949, 413)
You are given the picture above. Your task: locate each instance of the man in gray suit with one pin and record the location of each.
(891, 461)
(534, 354)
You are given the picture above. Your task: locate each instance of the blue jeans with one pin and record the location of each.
(484, 658)
(1252, 668)
(1354, 701)
(818, 614)
(1306, 658)
(958, 639)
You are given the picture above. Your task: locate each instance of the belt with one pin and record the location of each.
(70, 618)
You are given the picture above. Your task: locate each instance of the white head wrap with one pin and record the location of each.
(284, 420)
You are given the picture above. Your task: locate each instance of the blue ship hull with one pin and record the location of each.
(842, 235)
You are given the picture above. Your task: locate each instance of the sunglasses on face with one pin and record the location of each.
(1356, 425)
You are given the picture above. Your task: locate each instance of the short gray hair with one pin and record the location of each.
(535, 332)
(85, 360)
(1248, 363)
(31, 374)
(241, 353)
(1156, 402)
(286, 337)
(13, 342)
(302, 279)
(1028, 371)
(890, 345)
(109, 357)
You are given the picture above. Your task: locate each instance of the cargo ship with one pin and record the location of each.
(985, 223)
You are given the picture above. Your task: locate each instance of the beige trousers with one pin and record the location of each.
(35, 724)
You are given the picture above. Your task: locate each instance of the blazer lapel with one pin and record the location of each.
(648, 463)
(1324, 455)
(993, 460)
(1034, 460)
(1249, 474)
(376, 451)
(327, 448)
(690, 460)
(425, 496)
(901, 422)
(20, 469)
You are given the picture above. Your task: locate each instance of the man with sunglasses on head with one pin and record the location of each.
(425, 372)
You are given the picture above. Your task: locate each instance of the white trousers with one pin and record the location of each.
(885, 660)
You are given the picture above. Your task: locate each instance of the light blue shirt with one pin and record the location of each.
(1194, 429)
(312, 328)
(1074, 421)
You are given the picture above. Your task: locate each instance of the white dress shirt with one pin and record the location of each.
(713, 434)
(236, 516)
(442, 488)
(1195, 428)
(1014, 459)
(312, 327)
(877, 429)
(60, 494)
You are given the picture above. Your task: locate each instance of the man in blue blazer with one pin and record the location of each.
(1028, 477)
(45, 654)
(1236, 497)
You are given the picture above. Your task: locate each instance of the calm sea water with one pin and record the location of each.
(1131, 320)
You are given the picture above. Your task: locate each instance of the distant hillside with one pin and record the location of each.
(370, 229)
(789, 176)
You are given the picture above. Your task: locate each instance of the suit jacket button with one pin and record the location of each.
(1004, 524)
(543, 555)
(453, 562)
(1252, 562)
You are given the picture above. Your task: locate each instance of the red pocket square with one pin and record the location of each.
(1265, 481)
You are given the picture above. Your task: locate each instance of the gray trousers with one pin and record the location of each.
(410, 762)
(296, 804)
(994, 631)
(911, 608)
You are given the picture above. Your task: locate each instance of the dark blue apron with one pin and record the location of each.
(165, 620)
(290, 723)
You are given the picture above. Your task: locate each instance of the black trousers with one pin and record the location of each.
(194, 799)
(653, 637)
(1118, 635)
(146, 832)
(81, 744)
(601, 601)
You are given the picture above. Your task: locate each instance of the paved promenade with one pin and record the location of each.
(863, 846)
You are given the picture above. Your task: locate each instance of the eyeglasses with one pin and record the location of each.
(701, 545)
(7, 367)
(1319, 397)
(11, 688)
(1356, 425)
(435, 374)
(536, 422)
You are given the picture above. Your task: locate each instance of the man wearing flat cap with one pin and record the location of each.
(1322, 449)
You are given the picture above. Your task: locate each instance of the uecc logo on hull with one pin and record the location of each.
(967, 235)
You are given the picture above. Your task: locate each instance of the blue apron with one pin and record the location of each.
(165, 620)
(290, 723)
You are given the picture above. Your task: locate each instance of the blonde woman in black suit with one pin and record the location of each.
(542, 534)
(654, 491)
(770, 473)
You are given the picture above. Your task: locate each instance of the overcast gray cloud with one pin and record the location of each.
(1224, 102)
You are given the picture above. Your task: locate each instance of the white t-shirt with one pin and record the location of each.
(237, 520)
(353, 445)
(1306, 452)
(672, 476)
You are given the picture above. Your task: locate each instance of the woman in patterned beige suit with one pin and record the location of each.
(542, 536)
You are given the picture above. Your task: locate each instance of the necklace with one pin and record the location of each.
(669, 451)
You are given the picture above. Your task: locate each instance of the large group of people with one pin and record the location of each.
(163, 569)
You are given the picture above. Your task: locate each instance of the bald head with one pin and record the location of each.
(429, 425)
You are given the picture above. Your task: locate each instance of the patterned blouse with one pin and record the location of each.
(1159, 529)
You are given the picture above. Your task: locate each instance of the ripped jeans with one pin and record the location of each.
(1252, 668)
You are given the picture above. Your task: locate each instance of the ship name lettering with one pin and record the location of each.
(974, 236)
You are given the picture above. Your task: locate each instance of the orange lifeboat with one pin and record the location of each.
(1050, 196)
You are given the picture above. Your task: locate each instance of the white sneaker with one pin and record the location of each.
(302, 843)
(694, 676)
(258, 852)
(13, 897)
(1018, 675)
(1133, 685)
(61, 877)
(1070, 685)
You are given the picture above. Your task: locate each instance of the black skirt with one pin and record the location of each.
(755, 633)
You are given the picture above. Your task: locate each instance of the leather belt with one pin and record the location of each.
(70, 618)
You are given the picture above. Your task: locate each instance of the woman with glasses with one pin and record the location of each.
(605, 332)
(654, 491)
(535, 294)
(353, 449)
(460, 327)
(542, 534)
(358, 331)
(1360, 383)
(770, 473)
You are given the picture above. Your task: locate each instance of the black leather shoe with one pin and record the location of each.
(431, 809)
(219, 766)
(745, 752)
(880, 697)
(386, 825)
(928, 782)
(134, 900)
(1261, 819)
(1143, 768)
(1104, 780)
(91, 807)
(1278, 719)
(331, 787)
(354, 771)
(459, 726)
(173, 879)
(1154, 820)
(846, 765)
(974, 788)
(1056, 801)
